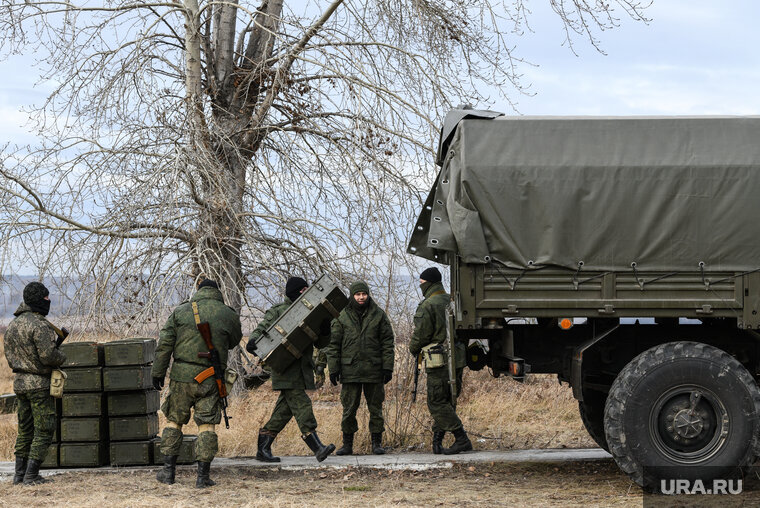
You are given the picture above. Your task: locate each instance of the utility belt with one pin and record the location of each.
(433, 356)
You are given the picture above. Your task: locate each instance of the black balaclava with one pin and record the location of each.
(34, 297)
(430, 276)
(294, 286)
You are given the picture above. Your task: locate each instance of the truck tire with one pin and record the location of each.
(712, 399)
(591, 409)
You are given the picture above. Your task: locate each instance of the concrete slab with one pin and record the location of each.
(394, 461)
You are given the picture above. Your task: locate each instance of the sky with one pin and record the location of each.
(695, 57)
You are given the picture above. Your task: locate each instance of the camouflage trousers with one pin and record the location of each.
(351, 396)
(442, 408)
(36, 424)
(292, 403)
(203, 398)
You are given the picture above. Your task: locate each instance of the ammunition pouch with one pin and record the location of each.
(434, 356)
(230, 376)
(207, 427)
(57, 380)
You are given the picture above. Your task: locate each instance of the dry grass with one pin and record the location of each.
(589, 484)
(498, 414)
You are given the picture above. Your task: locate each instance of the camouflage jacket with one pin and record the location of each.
(180, 338)
(361, 345)
(300, 373)
(30, 350)
(430, 323)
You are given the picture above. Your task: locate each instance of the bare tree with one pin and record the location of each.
(244, 142)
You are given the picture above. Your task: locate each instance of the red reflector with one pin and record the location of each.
(565, 323)
(514, 368)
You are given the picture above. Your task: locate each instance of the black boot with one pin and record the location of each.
(320, 451)
(461, 444)
(166, 475)
(348, 445)
(264, 453)
(203, 480)
(377, 443)
(438, 441)
(32, 474)
(21, 463)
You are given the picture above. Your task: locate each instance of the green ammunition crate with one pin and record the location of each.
(51, 459)
(82, 354)
(186, 450)
(83, 454)
(126, 378)
(7, 403)
(134, 403)
(131, 453)
(87, 379)
(84, 429)
(133, 428)
(83, 404)
(133, 351)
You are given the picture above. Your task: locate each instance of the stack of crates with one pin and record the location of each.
(132, 402)
(83, 427)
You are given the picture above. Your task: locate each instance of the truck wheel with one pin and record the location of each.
(684, 410)
(591, 409)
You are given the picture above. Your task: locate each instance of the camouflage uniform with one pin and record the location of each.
(32, 355)
(361, 348)
(180, 338)
(298, 377)
(430, 327)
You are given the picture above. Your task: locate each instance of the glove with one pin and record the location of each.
(251, 347)
(61, 338)
(387, 375)
(158, 383)
(335, 378)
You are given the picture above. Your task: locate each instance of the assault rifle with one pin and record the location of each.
(216, 369)
(416, 377)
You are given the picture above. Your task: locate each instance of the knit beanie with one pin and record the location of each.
(294, 286)
(358, 287)
(431, 274)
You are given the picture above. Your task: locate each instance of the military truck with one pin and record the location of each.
(622, 255)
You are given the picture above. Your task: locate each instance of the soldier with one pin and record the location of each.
(430, 324)
(320, 363)
(180, 338)
(292, 385)
(32, 353)
(360, 356)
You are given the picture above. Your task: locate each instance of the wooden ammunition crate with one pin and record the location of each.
(82, 354)
(186, 450)
(51, 459)
(84, 429)
(299, 326)
(83, 454)
(133, 403)
(83, 404)
(133, 427)
(132, 351)
(127, 378)
(131, 453)
(83, 379)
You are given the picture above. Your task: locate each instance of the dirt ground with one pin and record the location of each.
(586, 484)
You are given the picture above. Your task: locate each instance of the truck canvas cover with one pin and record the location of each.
(665, 193)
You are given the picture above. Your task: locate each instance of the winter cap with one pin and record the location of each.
(358, 287)
(208, 283)
(431, 274)
(294, 286)
(34, 293)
